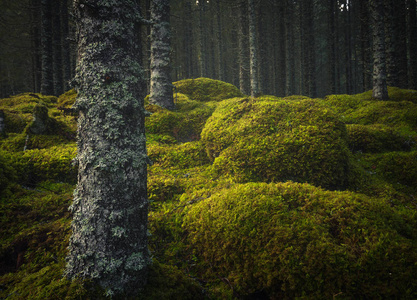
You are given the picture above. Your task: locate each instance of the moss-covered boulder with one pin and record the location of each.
(18, 109)
(67, 99)
(278, 140)
(206, 89)
(184, 124)
(54, 163)
(378, 138)
(293, 241)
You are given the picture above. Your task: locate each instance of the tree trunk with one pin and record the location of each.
(289, 51)
(66, 57)
(332, 46)
(412, 44)
(244, 78)
(109, 229)
(161, 82)
(47, 79)
(380, 90)
(253, 47)
(57, 49)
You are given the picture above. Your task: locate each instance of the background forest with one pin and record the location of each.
(307, 191)
(312, 48)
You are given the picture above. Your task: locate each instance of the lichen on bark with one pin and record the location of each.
(110, 205)
(161, 83)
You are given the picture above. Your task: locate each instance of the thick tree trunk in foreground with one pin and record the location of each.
(110, 206)
(380, 90)
(161, 82)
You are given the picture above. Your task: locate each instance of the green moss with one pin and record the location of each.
(7, 176)
(182, 156)
(294, 240)
(54, 163)
(205, 89)
(168, 282)
(400, 113)
(184, 124)
(274, 140)
(67, 99)
(164, 188)
(398, 168)
(378, 138)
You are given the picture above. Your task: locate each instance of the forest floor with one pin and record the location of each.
(250, 198)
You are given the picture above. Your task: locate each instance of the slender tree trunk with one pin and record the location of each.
(57, 49)
(412, 44)
(66, 57)
(332, 46)
(161, 82)
(47, 79)
(380, 90)
(110, 207)
(202, 28)
(289, 51)
(365, 33)
(219, 42)
(253, 46)
(244, 69)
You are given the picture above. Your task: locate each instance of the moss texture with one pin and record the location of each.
(278, 140)
(211, 237)
(294, 240)
(205, 89)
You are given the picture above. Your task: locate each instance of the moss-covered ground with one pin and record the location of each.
(265, 198)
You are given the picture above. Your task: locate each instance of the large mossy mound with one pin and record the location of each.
(290, 240)
(205, 89)
(278, 140)
(257, 240)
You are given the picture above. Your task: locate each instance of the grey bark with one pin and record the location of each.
(412, 44)
(289, 51)
(380, 90)
(57, 49)
(253, 47)
(244, 69)
(110, 206)
(66, 57)
(47, 81)
(161, 82)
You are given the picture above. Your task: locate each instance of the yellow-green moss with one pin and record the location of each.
(294, 240)
(206, 89)
(277, 140)
(378, 138)
(54, 163)
(184, 124)
(67, 99)
(400, 112)
(181, 156)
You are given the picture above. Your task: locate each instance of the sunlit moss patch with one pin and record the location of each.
(205, 89)
(276, 140)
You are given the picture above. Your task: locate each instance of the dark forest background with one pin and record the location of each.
(307, 47)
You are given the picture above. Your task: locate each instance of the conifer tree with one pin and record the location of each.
(110, 206)
(161, 82)
(380, 90)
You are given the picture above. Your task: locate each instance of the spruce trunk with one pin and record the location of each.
(109, 229)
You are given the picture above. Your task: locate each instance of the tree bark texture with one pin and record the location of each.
(244, 69)
(161, 81)
(253, 47)
(380, 90)
(109, 228)
(47, 79)
(57, 49)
